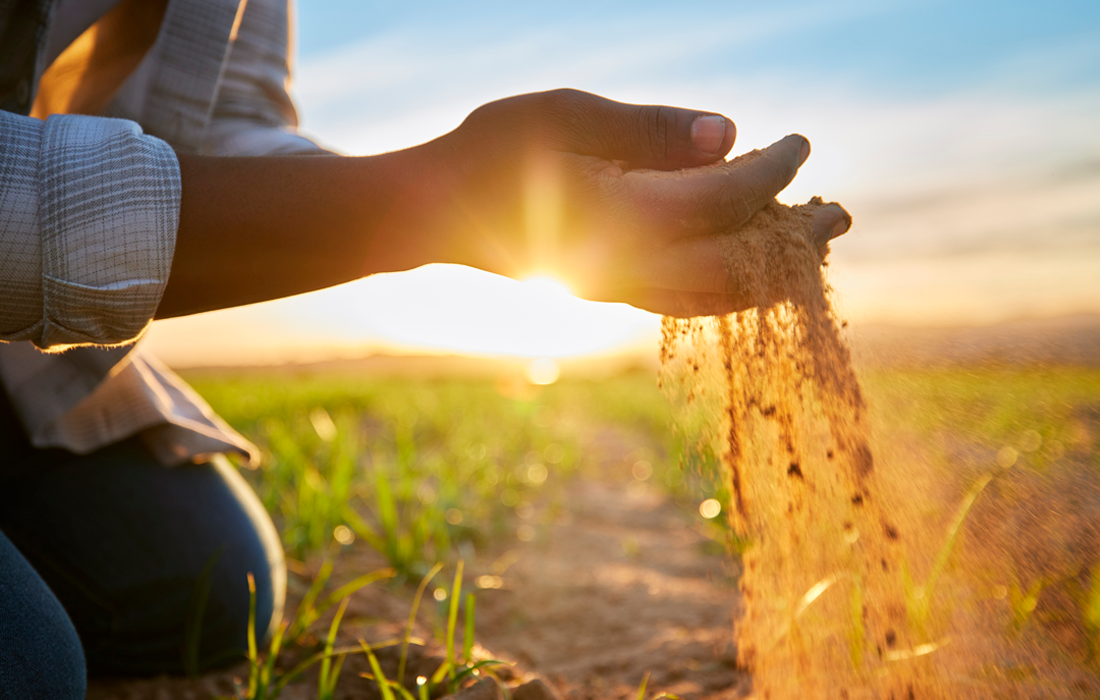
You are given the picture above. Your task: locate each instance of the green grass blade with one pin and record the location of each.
(387, 509)
(469, 670)
(362, 529)
(304, 665)
(306, 613)
(953, 534)
(452, 613)
(326, 662)
(348, 588)
(641, 688)
(379, 677)
(468, 630)
(272, 655)
(440, 674)
(253, 656)
(337, 665)
(412, 620)
(394, 685)
(405, 694)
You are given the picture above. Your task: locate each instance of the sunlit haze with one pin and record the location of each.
(961, 136)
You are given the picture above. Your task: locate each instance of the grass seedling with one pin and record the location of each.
(450, 671)
(468, 630)
(330, 670)
(273, 653)
(302, 618)
(309, 610)
(402, 528)
(253, 655)
(384, 684)
(658, 696)
(263, 684)
(452, 616)
(919, 597)
(412, 621)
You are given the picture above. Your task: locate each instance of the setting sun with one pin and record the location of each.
(433, 309)
(546, 286)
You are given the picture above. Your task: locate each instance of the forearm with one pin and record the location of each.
(517, 187)
(254, 229)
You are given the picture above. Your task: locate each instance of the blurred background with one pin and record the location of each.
(961, 135)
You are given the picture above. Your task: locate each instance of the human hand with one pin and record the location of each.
(577, 185)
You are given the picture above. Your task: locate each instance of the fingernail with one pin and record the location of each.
(708, 133)
(842, 227)
(843, 222)
(804, 152)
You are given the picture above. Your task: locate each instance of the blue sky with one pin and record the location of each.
(962, 136)
(925, 47)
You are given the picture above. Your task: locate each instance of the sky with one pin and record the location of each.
(962, 137)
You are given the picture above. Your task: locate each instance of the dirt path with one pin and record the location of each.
(615, 585)
(618, 588)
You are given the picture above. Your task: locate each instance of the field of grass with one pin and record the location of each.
(428, 471)
(1039, 412)
(419, 467)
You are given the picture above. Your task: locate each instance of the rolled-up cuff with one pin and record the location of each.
(109, 199)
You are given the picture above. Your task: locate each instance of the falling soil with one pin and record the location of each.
(853, 584)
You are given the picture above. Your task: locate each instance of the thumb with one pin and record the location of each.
(650, 136)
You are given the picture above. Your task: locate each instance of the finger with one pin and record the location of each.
(719, 199)
(698, 269)
(690, 278)
(643, 136)
(830, 221)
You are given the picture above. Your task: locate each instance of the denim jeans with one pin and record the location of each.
(107, 560)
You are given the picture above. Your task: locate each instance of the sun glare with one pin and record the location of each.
(543, 371)
(546, 286)
(457, 309)
(433, 309)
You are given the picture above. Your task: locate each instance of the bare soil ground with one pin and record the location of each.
(614, 585)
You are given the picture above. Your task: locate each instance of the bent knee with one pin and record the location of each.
(40, 652)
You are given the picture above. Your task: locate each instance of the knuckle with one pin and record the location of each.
(565, 95)
(567, 112)
(658, 124)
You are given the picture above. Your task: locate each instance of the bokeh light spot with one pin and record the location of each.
(710, 508)
(343, 534)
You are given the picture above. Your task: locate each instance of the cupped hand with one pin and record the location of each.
(582, 187)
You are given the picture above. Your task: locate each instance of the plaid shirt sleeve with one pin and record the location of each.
(89, 209)
(254, 114)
